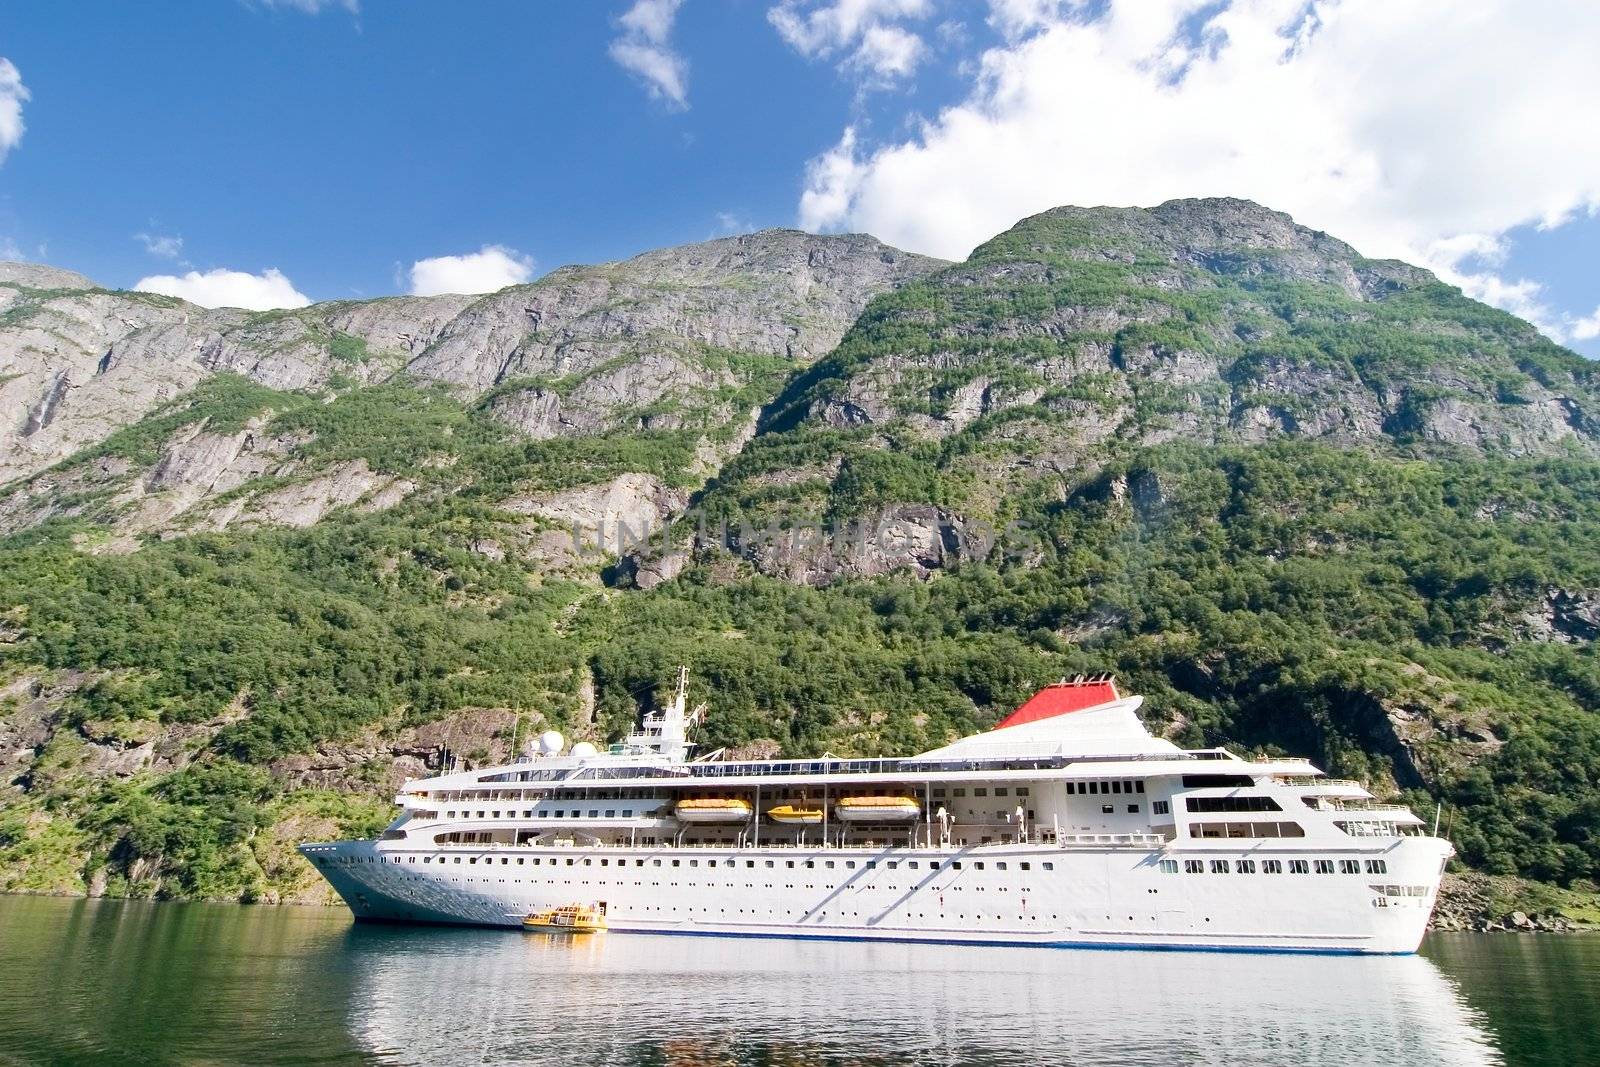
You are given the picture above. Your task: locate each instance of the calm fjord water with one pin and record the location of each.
(105, 982)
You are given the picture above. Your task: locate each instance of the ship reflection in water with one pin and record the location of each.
(438, 996)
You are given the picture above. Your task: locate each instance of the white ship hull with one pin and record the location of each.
(1111, 898)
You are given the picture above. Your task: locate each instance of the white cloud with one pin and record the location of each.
(163, 246)
(315, 7)
(645, 49)
(1586, 328)
(9, 249)
(866, 33)
(13, 94)
(488, 270)
(228, 288)
(1410, 130)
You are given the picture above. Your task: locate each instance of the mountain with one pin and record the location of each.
(261, 568)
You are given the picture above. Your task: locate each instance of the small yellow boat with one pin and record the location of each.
(712, 809)
(795, 815)
(568, 919)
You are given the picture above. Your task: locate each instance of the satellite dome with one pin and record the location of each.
(583, 750)
(550, 742)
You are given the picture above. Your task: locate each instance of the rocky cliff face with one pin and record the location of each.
(695, 337)
(1085, 334)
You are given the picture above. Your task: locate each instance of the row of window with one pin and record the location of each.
(529, 813)
(983, 791)
(850, 865)
(1275, 866)
(1103, 788)
(1246, 803)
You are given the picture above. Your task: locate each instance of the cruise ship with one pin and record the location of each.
(1067, 824)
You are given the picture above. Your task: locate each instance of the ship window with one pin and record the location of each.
(788, 863)
(980, 792)
(655, 863)
(1022, 790)
(1116, 787)
(1161, 807)
(769, 863)
(1133, 809)
(1169, 866)
(605, 863)
(1324, 866)
(1027, 866)
(1194, 866)
(811, 863)
(1299, 867)
(850, 864)
(938, 794)
(1107, 809)
(694, 863)
(1349, 866)
(999, 866)
(956, 864)
(958, 792)
(594, 813)
(1271, 866)
(627, 812)
(497, 815)
(1219, 866)
(474, 859)
(674, 862)
(1244, 866)
(1138, 787)
(829, 864)
(557, 814)
(1377, 867)
(611, 813)
(912, 865)
(1246, 803)
(749, 863)
(1047, 866)
(1000, 791)
(894, 865)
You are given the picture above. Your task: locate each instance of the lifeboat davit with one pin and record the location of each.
(795, 815)
(713, 809)
(877, 809)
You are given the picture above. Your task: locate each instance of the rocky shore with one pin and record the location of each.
(1485, 903)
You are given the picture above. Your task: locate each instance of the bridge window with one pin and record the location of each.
(1377, 867)
(1271, 866)
(1324, 866)
(1299, 867)
(1219, 866)
(1194, 866)
(1244, 866)
(1349, 866)
(1169, 866)
(1161, 807)
(1245, 803)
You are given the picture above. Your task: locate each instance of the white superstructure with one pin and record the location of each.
(1067, 824)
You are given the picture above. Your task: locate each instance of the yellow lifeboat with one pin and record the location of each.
(877, 809)
(795, 814)
(568, 919)
(713, 809)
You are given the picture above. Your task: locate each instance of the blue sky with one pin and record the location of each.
(340, 143)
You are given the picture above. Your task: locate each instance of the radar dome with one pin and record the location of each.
(550, 742)
(583, 750)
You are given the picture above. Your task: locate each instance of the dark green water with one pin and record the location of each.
(99, 982)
